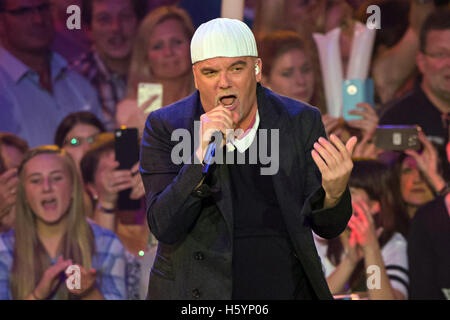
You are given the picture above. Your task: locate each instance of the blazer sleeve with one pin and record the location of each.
(327, 223)
(172, 204)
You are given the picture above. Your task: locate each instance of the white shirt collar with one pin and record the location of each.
(245, 142)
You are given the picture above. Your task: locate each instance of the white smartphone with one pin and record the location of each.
(146, 91)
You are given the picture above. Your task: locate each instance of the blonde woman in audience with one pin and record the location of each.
(161, 54)
(51, 233)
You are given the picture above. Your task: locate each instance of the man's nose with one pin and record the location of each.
(224, 81)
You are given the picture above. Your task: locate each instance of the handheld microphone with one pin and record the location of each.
(210, 152)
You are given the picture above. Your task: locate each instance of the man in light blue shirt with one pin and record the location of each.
(36, 89)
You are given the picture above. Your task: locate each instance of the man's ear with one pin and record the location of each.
(195, 79)
(258, 69)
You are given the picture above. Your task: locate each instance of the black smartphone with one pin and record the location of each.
(127, 154)
(397, 138)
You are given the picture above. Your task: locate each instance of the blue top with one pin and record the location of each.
(109, 261)
(31, 112)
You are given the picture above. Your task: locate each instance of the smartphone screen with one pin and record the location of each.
(147, 91)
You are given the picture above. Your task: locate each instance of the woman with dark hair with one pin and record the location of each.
(289, 68)
(374, 241)
(76, 132)
(52, 233)
(419, 175)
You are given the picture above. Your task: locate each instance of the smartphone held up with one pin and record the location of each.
(127, 154)
(150, 96)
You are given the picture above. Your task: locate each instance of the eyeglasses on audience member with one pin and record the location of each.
(78, 141)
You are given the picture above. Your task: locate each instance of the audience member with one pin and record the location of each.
(396, 45)
(37, 90)
(419, 176)
(111, 25)
(428, 105)
(375, 235)
(12, 150)
(104, 182)
(429, 257)
(77, 132)
(315, 16)
(289, 68)
(161, 55)
(51, 233)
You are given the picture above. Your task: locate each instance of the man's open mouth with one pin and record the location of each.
(228, 101)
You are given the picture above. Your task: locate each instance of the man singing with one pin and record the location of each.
(235, 233)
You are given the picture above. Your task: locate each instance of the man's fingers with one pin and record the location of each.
(350, 145)
(331, 149)
(346, 155)
(326, 156)
(319, 162)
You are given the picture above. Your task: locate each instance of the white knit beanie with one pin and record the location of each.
(222, 37)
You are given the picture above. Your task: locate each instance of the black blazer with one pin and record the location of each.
(195, 234)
